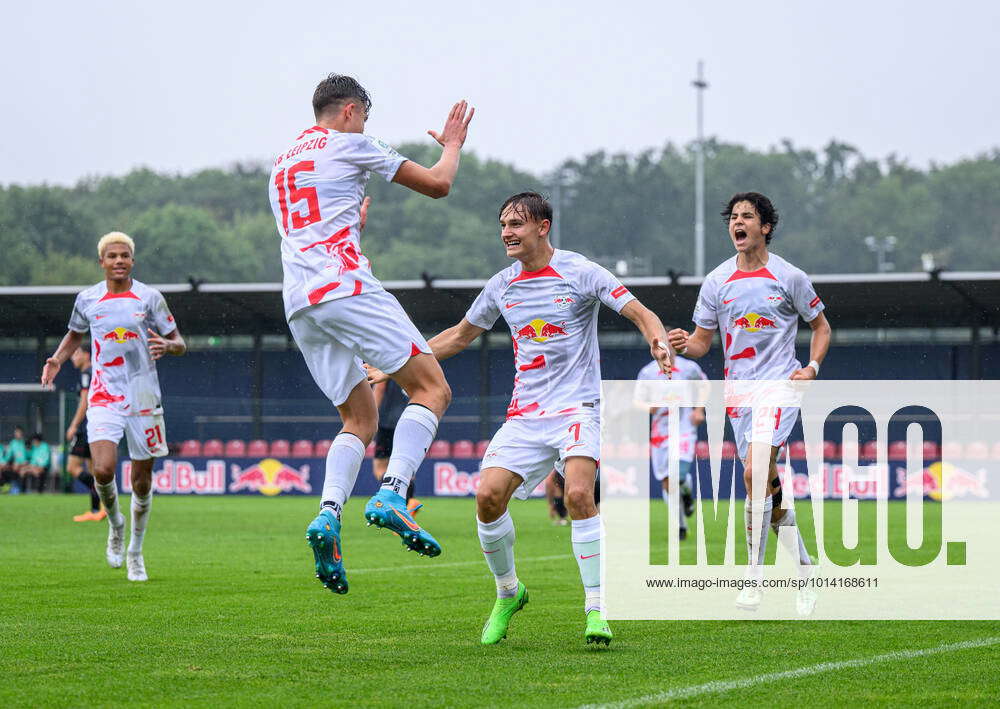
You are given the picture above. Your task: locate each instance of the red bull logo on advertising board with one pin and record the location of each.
(942, 481)
(752, 322)
(539, 330)
(269, 477)
(179, 477)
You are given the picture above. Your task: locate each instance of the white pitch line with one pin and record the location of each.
(432, 565)
(719, 686)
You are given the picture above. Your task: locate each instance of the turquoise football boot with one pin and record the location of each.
(387, 509)
(324, 538)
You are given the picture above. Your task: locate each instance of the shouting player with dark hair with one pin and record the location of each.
(756, 298)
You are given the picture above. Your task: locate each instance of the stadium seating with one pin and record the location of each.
(481, 449)
(831, 451)
(797, 450)
(254, 449)
(302, 449)
(701, 450)
(869, 450)
(463, 449)
(728, 450)
(977, 450)
(281, 448)
(322, 446)
(897, 450)
(236, 449)
(190, 449)
(995, 452)
(951, 450)
(212, 448)
(439, 449)
(932, 451)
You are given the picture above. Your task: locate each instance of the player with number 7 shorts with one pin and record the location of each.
(341, 316)
(125, 319)
(550, 299)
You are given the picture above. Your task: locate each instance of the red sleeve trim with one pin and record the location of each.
(814, 302)
(619, 292)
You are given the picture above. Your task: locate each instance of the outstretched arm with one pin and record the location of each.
(652, 329)
(54, 363)
(436, 181)
(443, 345)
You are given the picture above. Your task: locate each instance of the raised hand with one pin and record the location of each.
(456, 126)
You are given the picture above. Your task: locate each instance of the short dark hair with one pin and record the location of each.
(337, 88)
(36, 437)
(765, 210)
(529, 204)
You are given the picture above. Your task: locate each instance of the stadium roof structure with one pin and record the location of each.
(899, 300)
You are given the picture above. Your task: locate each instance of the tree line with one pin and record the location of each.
(215, 225)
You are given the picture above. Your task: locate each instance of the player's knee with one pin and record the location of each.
(104, 473)
(489, 504)
(580, 501)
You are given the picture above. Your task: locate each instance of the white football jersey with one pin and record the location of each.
(757, 313)
(552, 314)
(124, 374)
(684, 369)
(316, 189)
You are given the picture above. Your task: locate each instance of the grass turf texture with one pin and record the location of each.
(233, 616)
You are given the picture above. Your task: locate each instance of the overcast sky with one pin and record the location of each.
(102, 87)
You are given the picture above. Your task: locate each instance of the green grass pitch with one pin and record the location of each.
(232, 616)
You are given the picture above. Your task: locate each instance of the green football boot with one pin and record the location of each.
(504, 609)
(597, 629)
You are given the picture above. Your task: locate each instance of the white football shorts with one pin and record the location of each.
(660, 456)
(335, 337)
(774, 427)
(146, 435)
(532, 447)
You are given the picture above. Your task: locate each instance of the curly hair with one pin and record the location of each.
(765, 210)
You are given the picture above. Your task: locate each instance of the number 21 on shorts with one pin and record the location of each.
(154, 437)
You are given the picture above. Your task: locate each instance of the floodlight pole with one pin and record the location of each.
(699, 177)
(554, 235)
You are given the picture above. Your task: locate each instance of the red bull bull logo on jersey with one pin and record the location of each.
(121, 335)
(269, 477)
(752, 322)
(539, 330)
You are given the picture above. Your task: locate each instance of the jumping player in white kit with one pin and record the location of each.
(124, 317)
(339, 313)
(659, 434)
(550, 299)
(756, 299)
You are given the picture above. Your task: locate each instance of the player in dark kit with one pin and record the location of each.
(78, 461)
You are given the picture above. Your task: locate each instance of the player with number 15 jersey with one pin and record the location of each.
(341, 316)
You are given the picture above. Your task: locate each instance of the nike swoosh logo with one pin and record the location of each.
(591, 556)
(569, 448)
(98, 317)
(412, 525)
(512, 305)
(727, 302)
(489, 552)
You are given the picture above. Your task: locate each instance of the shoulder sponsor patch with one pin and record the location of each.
(814, 302)
(619, 292)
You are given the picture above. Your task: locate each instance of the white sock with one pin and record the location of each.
(496, 539)
(762, 530)
(803, 556)
(586, 536)
(343, 461)
(414, 433)
(108, 493)
(680, 512)
(140, 516)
